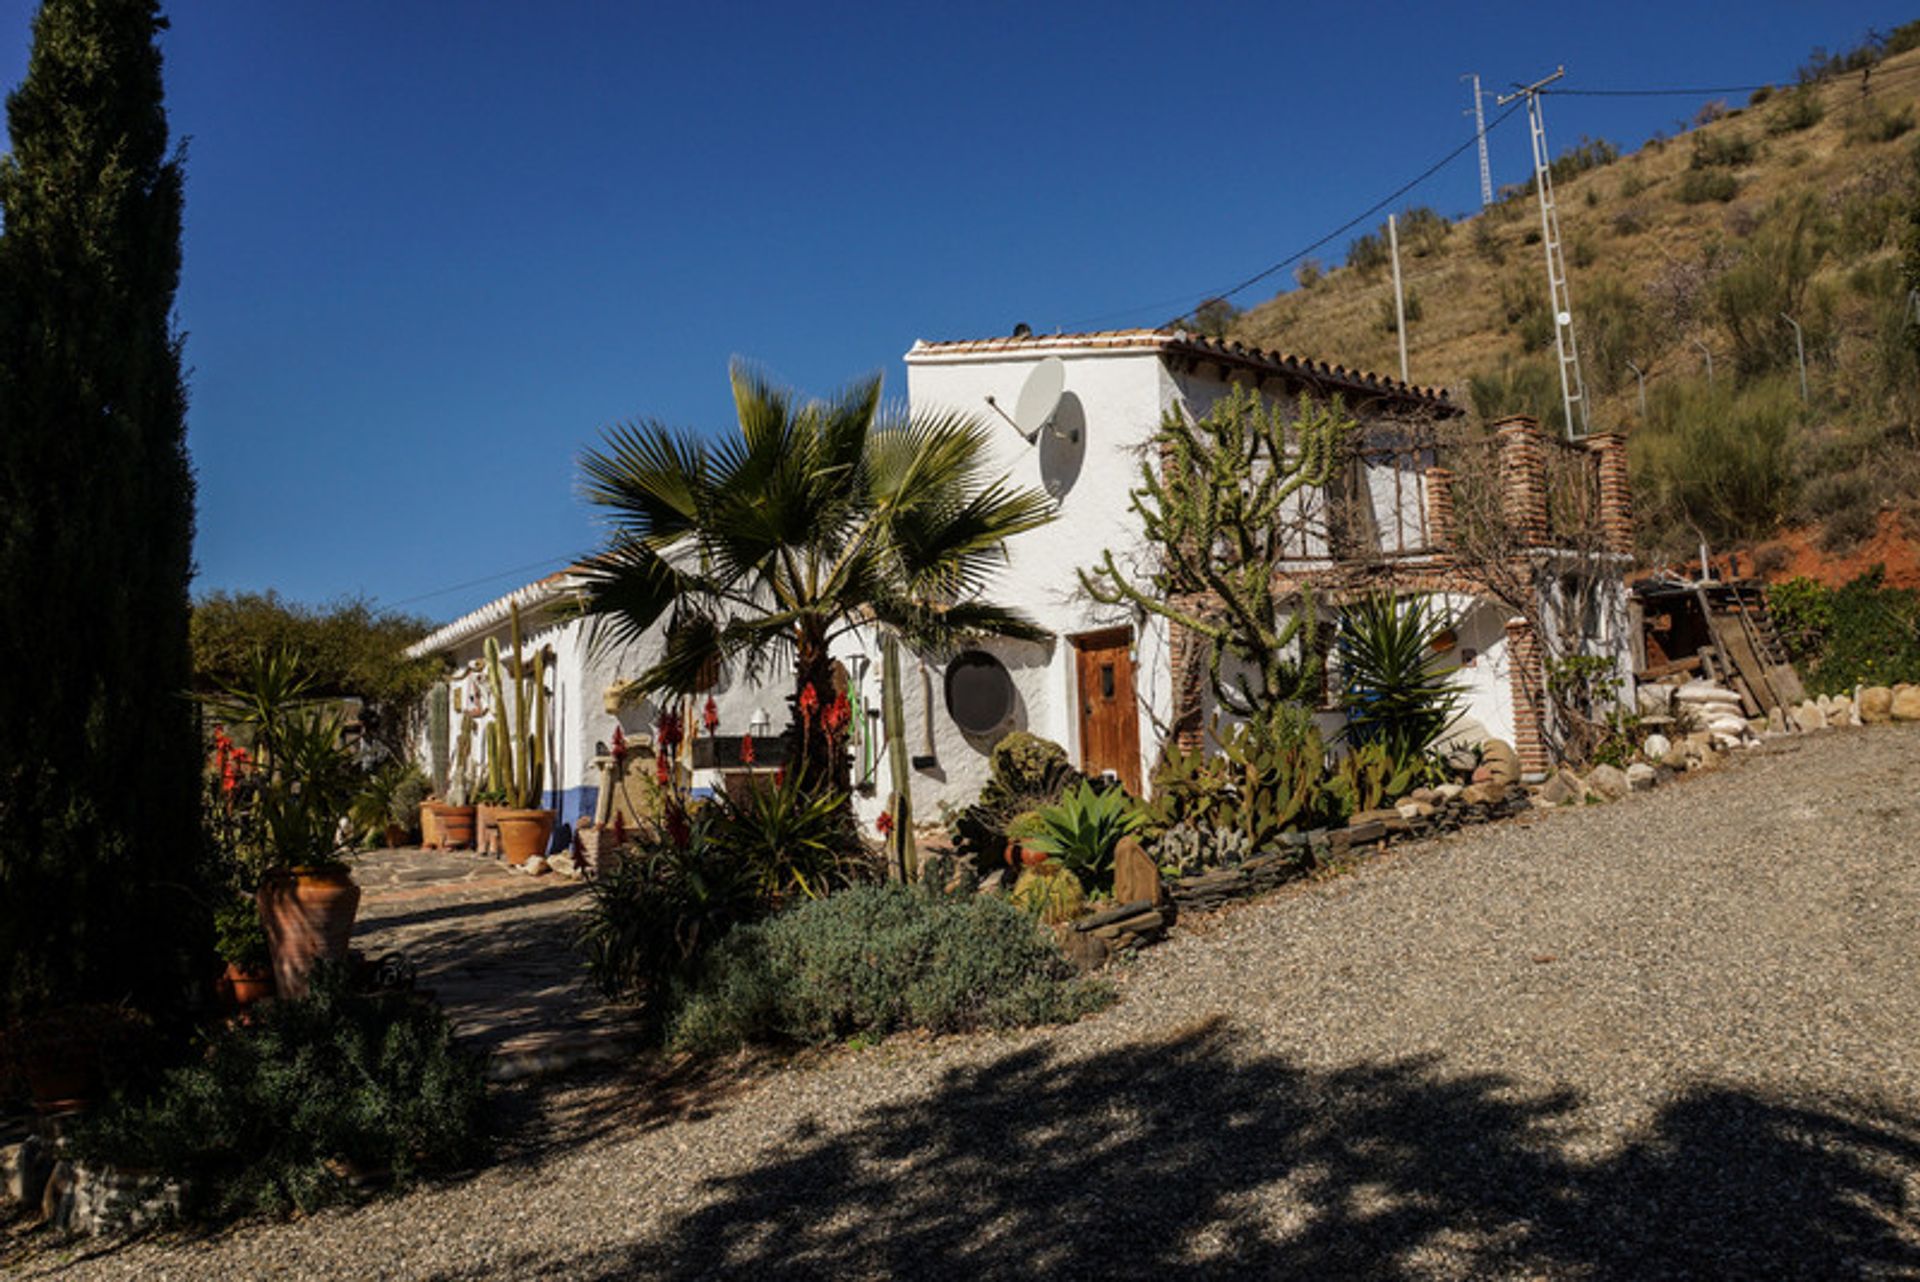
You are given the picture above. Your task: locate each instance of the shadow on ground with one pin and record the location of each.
(1199, 1155)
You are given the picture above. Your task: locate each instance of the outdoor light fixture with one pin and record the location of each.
(759, 723)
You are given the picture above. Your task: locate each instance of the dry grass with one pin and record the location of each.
(1635, 229)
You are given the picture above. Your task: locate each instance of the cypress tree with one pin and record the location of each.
(99, 749)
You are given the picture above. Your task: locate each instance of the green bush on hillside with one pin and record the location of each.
(1716, 460)
(1726, 150)
(1864, 633)
(1801, 109)
(1769, 279)
(880, 959)
(1697, 186)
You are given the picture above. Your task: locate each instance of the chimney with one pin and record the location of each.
(1616, 495)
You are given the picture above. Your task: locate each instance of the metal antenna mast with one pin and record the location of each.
(1573, 390)
(1480, 132)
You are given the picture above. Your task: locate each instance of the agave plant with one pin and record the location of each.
(1083, 827)
(818, 517)
(1396, 692)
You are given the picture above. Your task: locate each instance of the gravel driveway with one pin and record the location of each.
(1674, 1036)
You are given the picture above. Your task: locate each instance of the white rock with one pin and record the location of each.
(1641, 776)
(535, 866)
(1656, 747)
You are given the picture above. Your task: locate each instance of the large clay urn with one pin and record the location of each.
(429, 830)
(488, 839)
(524, 833)
(308, 914)
(453, 825)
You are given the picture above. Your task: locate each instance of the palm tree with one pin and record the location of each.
(817, 518)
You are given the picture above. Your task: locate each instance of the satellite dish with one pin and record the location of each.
(1040, 398)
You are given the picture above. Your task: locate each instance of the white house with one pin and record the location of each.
(1110, 686)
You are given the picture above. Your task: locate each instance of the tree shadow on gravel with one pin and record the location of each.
(1201, 1155)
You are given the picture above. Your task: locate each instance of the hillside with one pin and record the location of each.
(1795, 202)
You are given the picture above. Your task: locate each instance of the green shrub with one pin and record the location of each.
(1872, 124)
(1832, 492)
(1521, 387)
(1369, 253)
(283, 1111)
(1847, 529)
(1615, 327)
(1801, 109)
(1390, 320)
(796, 843)
(879, 959)
(1083, 827)
(1864, 633)
(1770, 278)
(1396, 689)
(1716, 459)
(1902, 38)
(1698, 186)
(1632, 183)
(1722, 149)
(658, 908)
(1486, 244)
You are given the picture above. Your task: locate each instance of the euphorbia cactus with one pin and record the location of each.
(516, 750)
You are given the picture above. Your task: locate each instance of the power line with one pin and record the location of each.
(565, 558)
(1472, 140)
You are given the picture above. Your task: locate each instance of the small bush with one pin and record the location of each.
(1838, 492)
(1309, 273)
(1049, 893)
(1581, 252)
(1389, 321)
(1724, 150)
(1846, 529)
(1863, 633)
(1717, 460)
(881, 959)
(1028, 772)
(1697, 186)
(1369, 253)
(1874, 125)
(1759, 95)
(1486, 244)
(1801, 109)
(1632, 184)
(282, 1112)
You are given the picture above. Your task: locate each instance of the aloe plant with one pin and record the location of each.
(1083, 827)
(516, 749)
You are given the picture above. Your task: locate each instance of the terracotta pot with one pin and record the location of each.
(240, 989)
(309, 915)
(61, 1079)
(396, 836)
(489, 824)
(453, 825)
(525, 833)
(429, 829)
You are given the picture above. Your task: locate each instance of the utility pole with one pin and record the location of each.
(1480, 133)
(1573, 389)
(1800, 353)
(1399, 300)
(1708, 352)
(1643, 389)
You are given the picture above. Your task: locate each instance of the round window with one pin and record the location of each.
(979, 692)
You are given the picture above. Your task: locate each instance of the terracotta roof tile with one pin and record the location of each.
(1231, 351)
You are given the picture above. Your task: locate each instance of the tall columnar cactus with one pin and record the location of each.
(516, 749)
(460, 785)
(439, 710)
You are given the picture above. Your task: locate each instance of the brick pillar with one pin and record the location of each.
(1616, 495)
(1439, 509)
(1186, 661)
(1523, 479)
(1527, 677)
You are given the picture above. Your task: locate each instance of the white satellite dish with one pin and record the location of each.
(1040, 398)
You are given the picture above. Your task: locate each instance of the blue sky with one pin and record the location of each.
(432, 248)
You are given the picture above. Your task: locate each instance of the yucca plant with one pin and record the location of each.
(799, 844)
(817, 518)
(1083, 827)
(1396, 691)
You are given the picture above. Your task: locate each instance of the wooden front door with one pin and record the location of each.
(1109, 717)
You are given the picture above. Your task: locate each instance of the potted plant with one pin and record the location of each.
(517, 750)
(373, 808)
(299, 789)
(242, 943)
(1021, 831)
(408, 804)
(453, 818)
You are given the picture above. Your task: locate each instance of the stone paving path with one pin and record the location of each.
(496, 948)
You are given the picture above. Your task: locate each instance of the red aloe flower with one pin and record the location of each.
(746, 749)
(662, 772)
(677, 826)
(619, 829)
(885, 823)
(809, 702)
(619, 746)
(839, 712)
(669, 731)
(710, 717)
